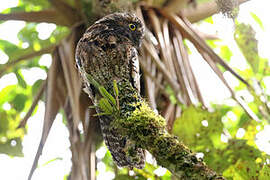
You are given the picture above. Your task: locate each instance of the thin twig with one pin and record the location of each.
(34, 104)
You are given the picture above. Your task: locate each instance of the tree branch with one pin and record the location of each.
(148, 130)
(175, 5)
(134, 119)
(66, 10)
(203, 11)
(49, 16)
(11, 63)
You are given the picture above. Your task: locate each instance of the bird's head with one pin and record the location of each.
(125, 25)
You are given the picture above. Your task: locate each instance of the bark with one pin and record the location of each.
(66, 10)
(49, 16)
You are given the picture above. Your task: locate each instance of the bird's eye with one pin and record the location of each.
(132, 27)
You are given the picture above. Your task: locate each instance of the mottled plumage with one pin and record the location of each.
(108, 51)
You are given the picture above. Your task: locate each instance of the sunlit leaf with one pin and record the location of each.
(209, 20)
(107, 95)
(52, 160)
(28, 33)
(105, 106)
(226, 53)
(8, 47)
(12, 147)
(42, 3)
(7, 94)
(198, 128)
(257, 19)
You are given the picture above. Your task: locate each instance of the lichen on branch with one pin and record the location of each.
(228, 8)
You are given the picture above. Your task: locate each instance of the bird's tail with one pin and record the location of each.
(123, 150)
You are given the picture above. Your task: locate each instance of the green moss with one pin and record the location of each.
(146, 129)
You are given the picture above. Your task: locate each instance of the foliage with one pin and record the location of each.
(15, 98)
(19, 97)
(237, 158)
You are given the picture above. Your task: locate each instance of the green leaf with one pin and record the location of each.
(52, 160)
(243, 170)
(226, 53)
(92, 107)
(105, 106)
(14, 9)
(189, 127)
(101, 89)
(107, 95)
(101, 114)
(42, 3)
(8, 47)
(209, 20)
(12, 147)
(20, 79)
(36, 87)
(28, 33)
(7, 94)
(92, 81)
(257, 19)
(18, 102)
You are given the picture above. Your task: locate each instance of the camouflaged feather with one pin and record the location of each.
(108, 51)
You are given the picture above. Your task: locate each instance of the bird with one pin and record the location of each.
(108, 51)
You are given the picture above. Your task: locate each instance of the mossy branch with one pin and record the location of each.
(147, 129)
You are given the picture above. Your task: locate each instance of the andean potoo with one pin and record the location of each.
(108, 51)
